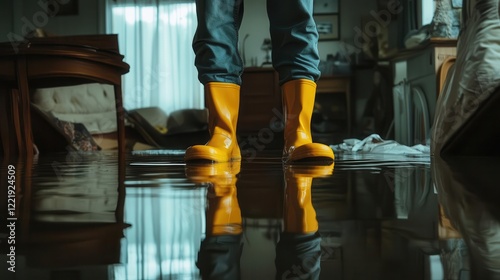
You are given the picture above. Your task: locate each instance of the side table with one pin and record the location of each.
(49, 62)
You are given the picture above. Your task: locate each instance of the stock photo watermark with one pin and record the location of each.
(39, 19)
(257, 142)
(11, 218)
(381, 19)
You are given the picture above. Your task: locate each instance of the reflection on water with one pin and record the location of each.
(77, 192)
(220, 250)
(69, 212)
(298, 252)
(84, 216)
(469, 196)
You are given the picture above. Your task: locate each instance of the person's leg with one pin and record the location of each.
(223, 101)
(294, 39)
(215, 42)
(219, 70)
(295, 56)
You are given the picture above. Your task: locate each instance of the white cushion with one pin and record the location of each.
(92, 105)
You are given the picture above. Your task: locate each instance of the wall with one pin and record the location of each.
(29, 14)
(255, 24)
(351, 12)
(17, 15)
(5, 19)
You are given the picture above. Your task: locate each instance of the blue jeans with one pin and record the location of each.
(293, 34)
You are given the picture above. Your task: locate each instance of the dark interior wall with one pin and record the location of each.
(88, 18)
(255, 25)
(18, 15)
(6, 19)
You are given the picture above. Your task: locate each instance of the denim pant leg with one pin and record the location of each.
(294, 38)
(215, 43)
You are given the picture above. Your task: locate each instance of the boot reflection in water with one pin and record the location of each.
(298, 252)
(220, 251)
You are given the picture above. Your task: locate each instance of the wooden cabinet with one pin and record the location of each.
(50, 62)
(338, 85)
(260, 122)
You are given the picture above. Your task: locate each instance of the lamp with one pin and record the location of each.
(267, 47)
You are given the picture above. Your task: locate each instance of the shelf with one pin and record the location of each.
(336, 85)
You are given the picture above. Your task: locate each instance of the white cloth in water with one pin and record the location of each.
(376, 145)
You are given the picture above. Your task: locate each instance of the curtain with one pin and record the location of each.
(155, 37)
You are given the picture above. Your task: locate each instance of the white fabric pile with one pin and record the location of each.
(374, 144)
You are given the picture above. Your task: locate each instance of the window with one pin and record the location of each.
(155, 38)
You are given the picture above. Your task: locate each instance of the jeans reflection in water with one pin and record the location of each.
(298, 252)
(220, 251)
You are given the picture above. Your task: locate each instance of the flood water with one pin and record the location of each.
(87, 216)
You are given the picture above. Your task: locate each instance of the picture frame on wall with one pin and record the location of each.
(328, 26)
(65, 8)
(326, 7)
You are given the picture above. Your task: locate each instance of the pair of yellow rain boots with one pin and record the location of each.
(223, 101)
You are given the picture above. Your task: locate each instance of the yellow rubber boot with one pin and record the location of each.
(299, 213)
(298, 105)
(223, 101)
(223, 214)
